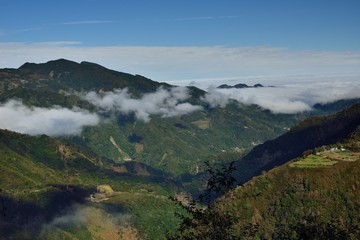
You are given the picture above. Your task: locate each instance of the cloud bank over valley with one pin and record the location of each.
(163, 102)
(286, 98)
(55, 121)
(280, 99)
(59, 121)
(301, 78)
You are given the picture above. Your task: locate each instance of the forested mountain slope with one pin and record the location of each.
(308, 134)
(313, 196)
(140, 119)
(53, 189)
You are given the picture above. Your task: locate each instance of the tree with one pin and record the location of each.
(203, 220)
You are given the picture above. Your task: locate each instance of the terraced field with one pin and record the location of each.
(326, 158)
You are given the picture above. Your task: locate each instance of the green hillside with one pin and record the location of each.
(160, 142)
(85, 76)
(308, 134)
(42, 178)
(177, 145)
(113, 179)
(315, 196)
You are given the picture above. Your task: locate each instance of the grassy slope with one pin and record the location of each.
(161, 142)
(311, 133)
(179, 145)
(293, 201)
(308, 134)
(34, 175)
(42, 177)
(286, 196)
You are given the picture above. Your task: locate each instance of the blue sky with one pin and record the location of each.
(310, 25)
(181, 40)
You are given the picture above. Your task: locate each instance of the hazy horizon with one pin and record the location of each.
(187, 40)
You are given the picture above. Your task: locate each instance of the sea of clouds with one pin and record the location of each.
(300, 79)
(298, 95)
(60, 121)
(163, 102)
(56, 121)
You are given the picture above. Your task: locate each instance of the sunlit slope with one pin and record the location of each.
(41, 178)
(313, 196)
(311, 133)
(176, 144)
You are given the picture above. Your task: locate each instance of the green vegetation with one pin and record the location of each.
(327, 157)
(315, 196)
(309, 134)
(114, 179)
(286, 203)
(42, 177)
(159, 143)
(151, 214)
(162, 141)
(313, 161)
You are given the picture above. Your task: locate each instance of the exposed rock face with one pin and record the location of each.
(123, 154)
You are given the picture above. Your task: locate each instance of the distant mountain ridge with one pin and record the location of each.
(162, 144)
(44, 178)
(87, 76)
(240, 85)
(308, 134)
(296, 200)
(286, 192)
(175, 144)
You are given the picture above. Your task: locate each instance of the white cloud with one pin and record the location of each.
(206, 18)
(287, 98)
(82, 215)
(166, 103)
(87, 22)
(55, 121)
(216, 98)
(75, 215)
(59, 43)
(302, 77)
(182, 63)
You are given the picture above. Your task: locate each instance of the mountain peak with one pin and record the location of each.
(86, 76)
(86, 63)
(240, 85)
(59, 63)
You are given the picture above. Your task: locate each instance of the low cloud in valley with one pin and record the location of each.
(163, 102)
(55, 121)
(287, 98)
